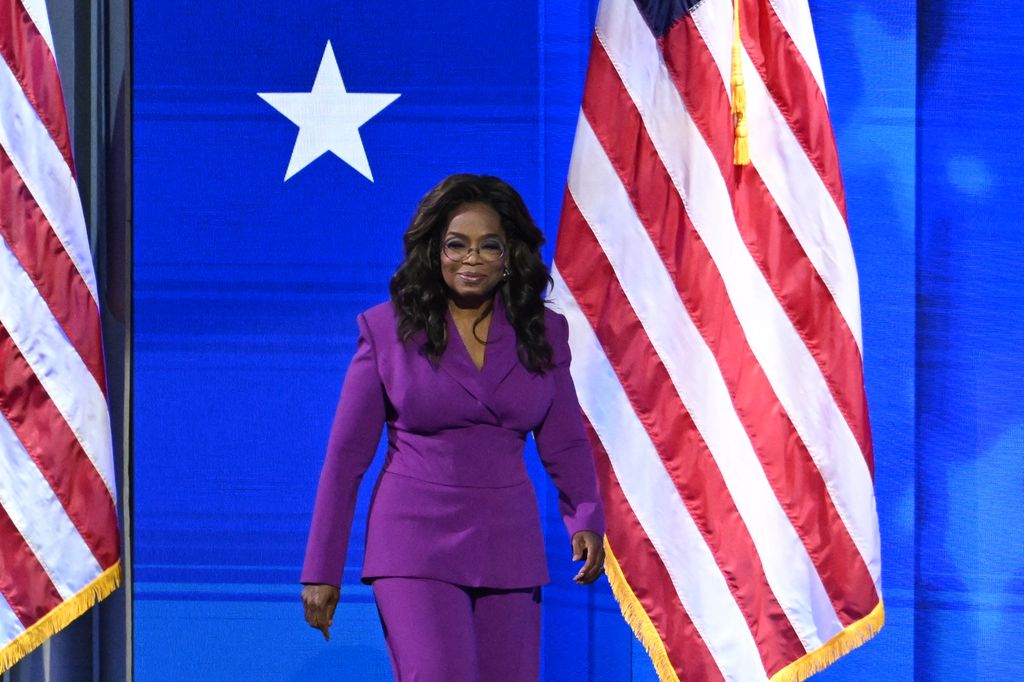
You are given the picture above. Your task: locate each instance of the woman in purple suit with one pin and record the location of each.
(461, 364)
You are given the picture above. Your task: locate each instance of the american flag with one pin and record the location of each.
(716, 340)
(59, 549)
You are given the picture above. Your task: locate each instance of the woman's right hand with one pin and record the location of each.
(319, 601)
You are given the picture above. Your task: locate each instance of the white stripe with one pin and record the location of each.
(37, 11)
(40, 518)
(795, 16)
(654, 499)
(45, 172)
(694, 372)
(56, 364)
(794, 183)
(789, 366)
(10, 625)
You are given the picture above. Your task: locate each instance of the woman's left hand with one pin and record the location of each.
(587, 544)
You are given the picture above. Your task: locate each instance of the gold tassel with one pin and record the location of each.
(639, 621)
(741, 148)
(60, 617)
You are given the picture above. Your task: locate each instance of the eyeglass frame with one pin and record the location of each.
(471, 249)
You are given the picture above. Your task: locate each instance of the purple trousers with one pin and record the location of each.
(440, 632)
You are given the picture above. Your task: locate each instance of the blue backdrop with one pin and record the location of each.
(246, 289)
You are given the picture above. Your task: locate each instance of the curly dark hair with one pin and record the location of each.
(420, 295)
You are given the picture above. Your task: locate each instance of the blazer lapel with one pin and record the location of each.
(455, 361)
(499, 357)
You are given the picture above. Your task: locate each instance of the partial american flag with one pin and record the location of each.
(716, 340)
(58, 522)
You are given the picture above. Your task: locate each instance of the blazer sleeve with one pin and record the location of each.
(355, 433)
(563, 445)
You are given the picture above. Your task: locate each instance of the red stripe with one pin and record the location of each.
(58, 454)
(682, 450)
(29, 236)
(29, 58)
(792, 87)
(647, 577)
(24, 582)
(790, 274)
(790, 470)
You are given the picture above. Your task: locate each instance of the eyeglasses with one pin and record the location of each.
(457, 250)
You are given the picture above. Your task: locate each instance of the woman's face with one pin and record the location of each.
(473, 254)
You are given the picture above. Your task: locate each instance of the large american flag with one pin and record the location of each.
(59, 549)
(716, 341)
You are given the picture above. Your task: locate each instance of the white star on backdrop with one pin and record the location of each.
(328, 118)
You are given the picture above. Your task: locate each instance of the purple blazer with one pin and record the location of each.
(453, 501)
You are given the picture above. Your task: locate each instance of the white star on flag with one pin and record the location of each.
(329, 118)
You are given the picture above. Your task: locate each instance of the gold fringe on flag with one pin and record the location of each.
(851, 637)
(60, 617)
(633, 611)
(741, 148)
(639, 621)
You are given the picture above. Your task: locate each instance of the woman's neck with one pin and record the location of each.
(470, 310)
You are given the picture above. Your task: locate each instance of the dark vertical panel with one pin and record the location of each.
(107, 191)
(112, 206)
(970, 399)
